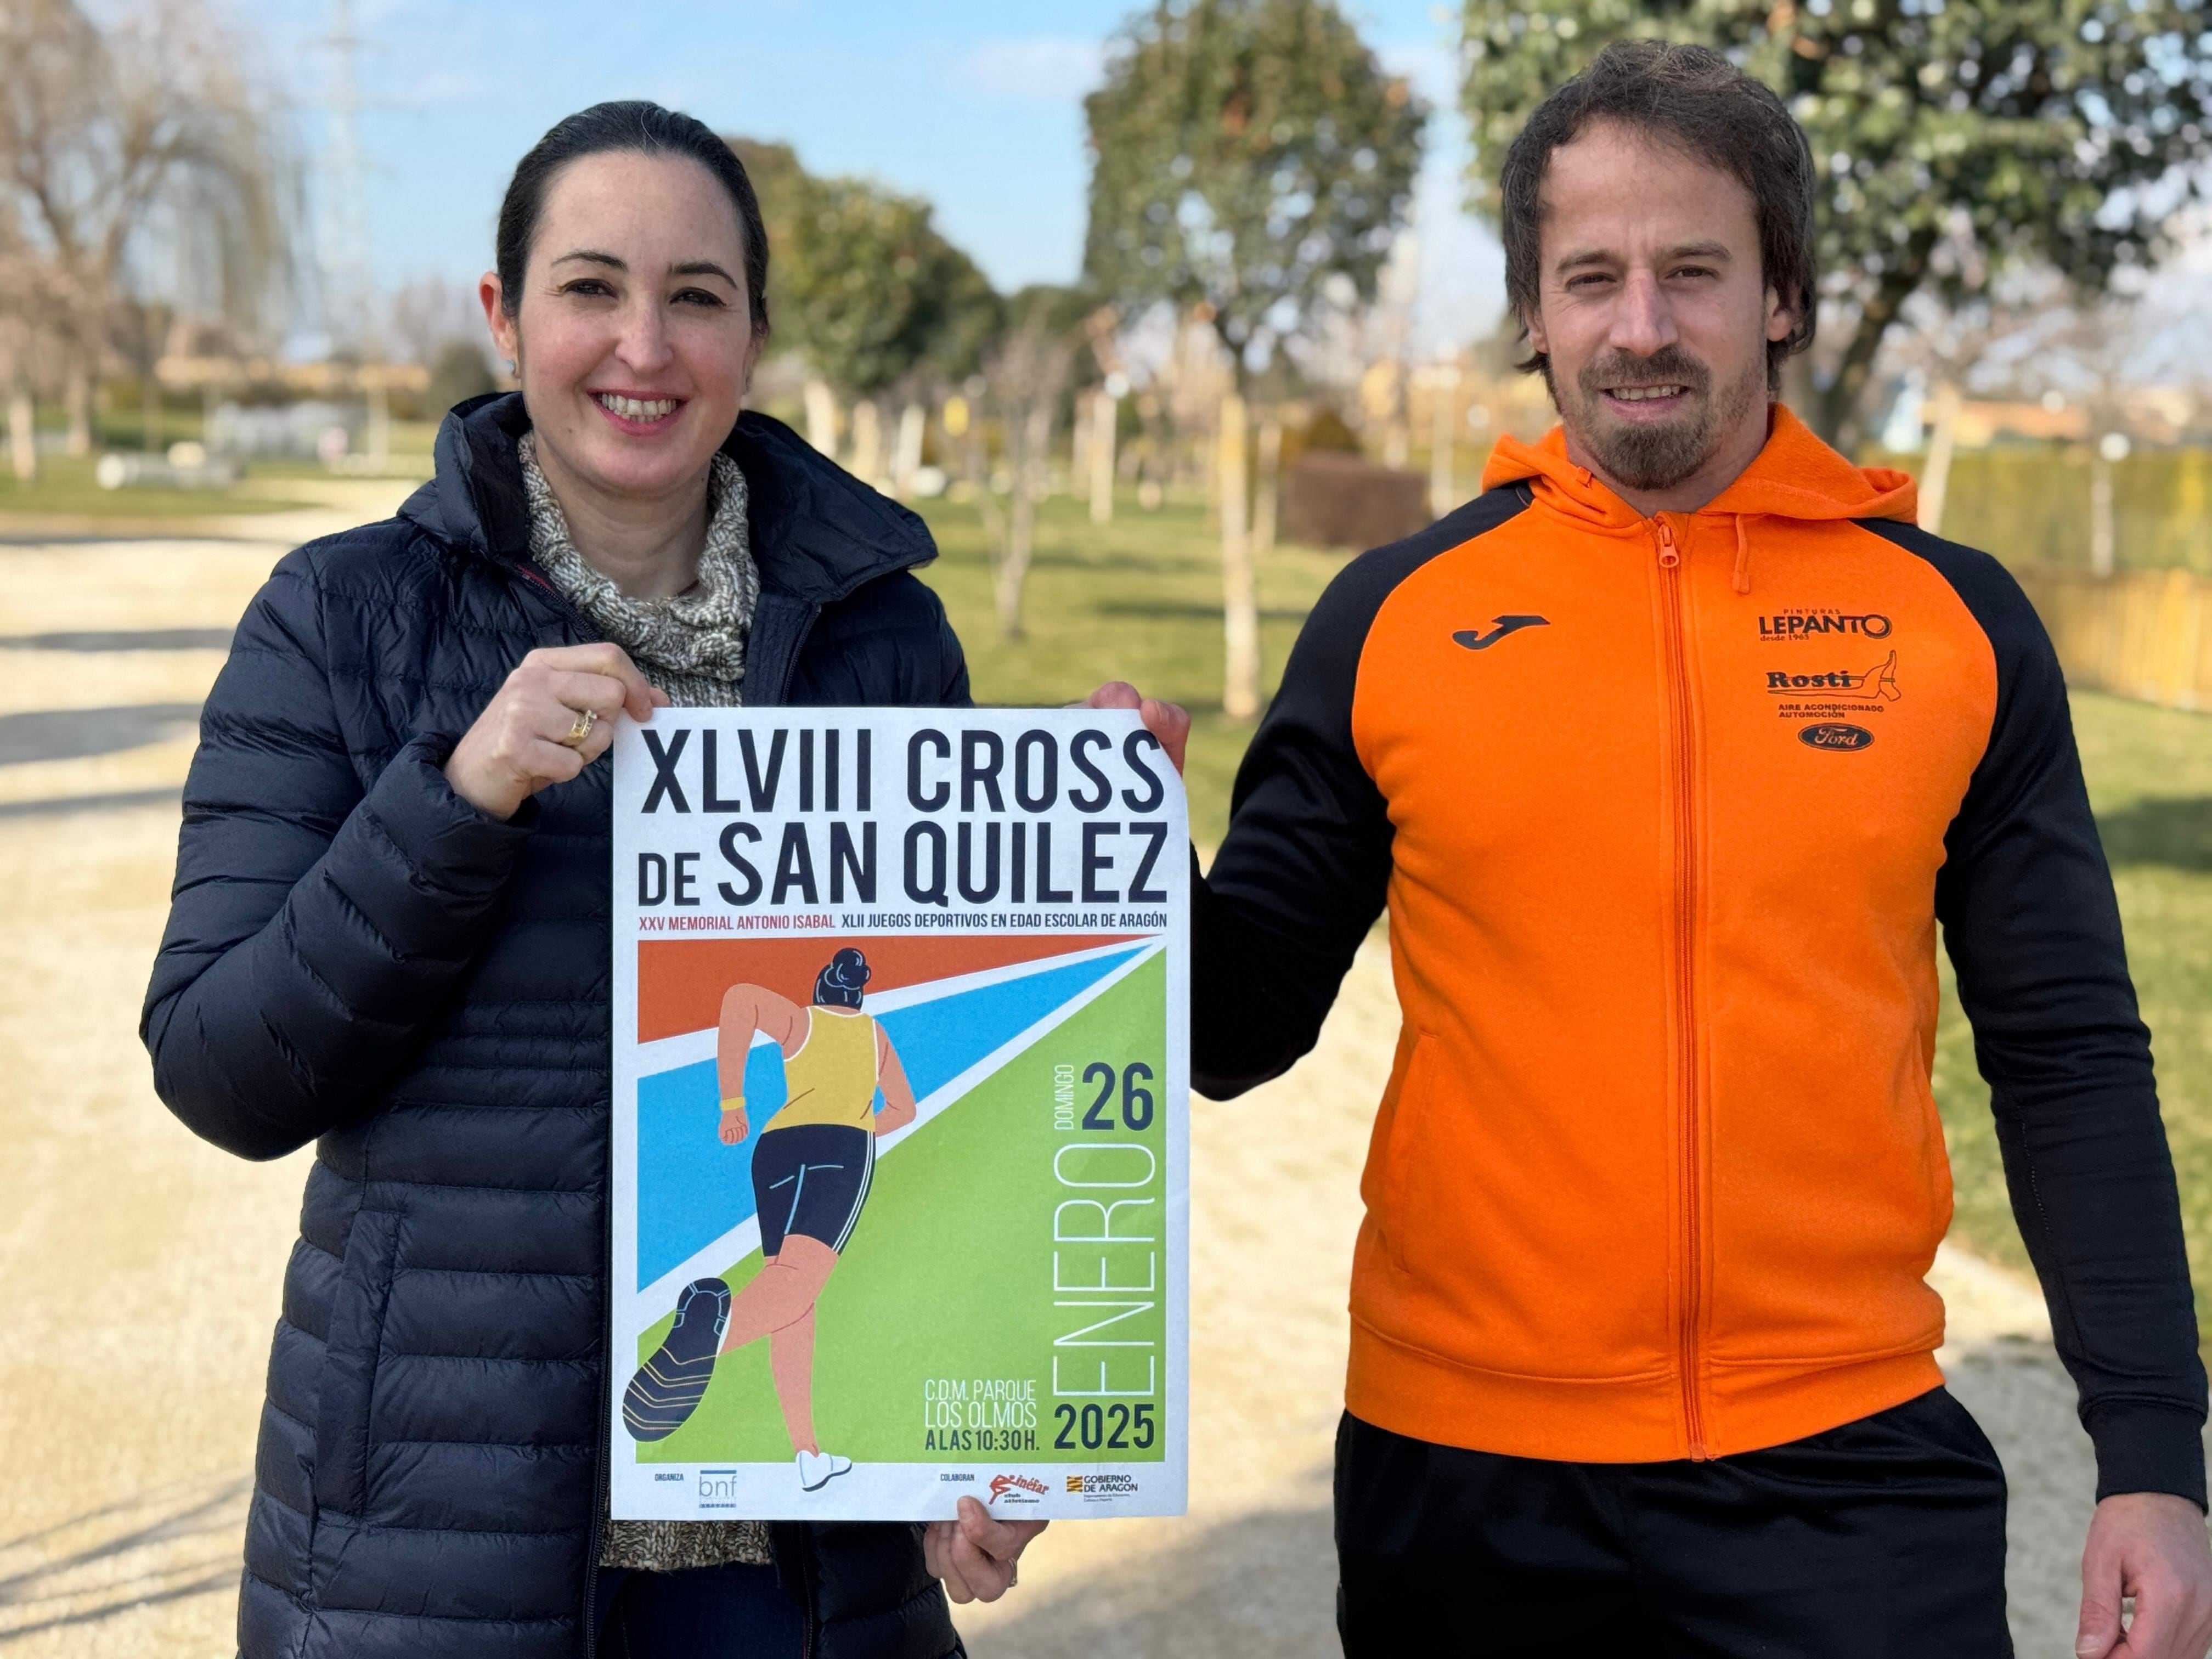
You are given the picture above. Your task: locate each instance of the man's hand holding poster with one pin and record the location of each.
(900, 1080)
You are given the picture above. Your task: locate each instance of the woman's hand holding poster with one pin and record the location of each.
(900, 1090)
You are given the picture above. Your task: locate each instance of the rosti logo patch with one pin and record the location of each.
(1837, 736)
(1818, 624)
(1016, 1488)
(1878, 681)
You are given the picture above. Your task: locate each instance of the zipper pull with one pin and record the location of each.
(1669, 555)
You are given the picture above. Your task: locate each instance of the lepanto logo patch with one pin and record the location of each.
(1475, 638)
(1818, 624)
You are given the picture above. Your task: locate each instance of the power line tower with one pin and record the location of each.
(349, 292)
(352, 315)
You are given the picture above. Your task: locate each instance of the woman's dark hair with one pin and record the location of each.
(839, 985)
(1696, 99)
(631, 124)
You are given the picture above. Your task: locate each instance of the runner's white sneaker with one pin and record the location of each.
(818, 1469)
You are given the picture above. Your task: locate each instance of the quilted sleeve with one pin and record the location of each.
(316, 929)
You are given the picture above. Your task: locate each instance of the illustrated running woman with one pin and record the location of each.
(810, 1168)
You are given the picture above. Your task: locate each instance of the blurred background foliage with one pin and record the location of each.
(1954, 137)
(1251, 161)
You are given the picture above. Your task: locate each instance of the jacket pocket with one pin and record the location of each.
(1409, 1131)
(349, 1356)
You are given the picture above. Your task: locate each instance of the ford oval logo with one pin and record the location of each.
(1835, 736)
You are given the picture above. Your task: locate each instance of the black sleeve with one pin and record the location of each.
(315, 928)
(1305, 866)
(2027, 905)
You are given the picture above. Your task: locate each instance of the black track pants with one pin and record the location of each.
(1883, 1538)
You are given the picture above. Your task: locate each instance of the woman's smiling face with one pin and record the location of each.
(633, 335)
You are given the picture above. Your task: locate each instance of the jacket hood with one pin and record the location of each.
(1795, 475)
(817, 532)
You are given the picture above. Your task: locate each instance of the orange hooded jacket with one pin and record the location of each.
(1665, 811)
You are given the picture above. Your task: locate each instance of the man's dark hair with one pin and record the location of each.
(641, 128)
(1694, 99)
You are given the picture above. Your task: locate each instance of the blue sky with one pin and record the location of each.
(975, 104)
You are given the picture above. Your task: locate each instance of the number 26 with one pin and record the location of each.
(1136, 1103)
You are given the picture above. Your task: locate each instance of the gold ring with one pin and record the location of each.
(582, 729)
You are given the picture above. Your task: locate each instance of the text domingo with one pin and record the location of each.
(1039, 817)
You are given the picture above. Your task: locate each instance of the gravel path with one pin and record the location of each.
(143, 1266)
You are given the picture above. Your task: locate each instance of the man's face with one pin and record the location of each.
(1652, 308)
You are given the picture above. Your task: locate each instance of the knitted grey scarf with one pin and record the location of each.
(692, 646)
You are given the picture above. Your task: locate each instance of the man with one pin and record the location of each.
(810, 1170)
(1668, 754)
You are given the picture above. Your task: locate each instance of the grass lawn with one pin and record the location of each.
(65, 484)
(2150, 781)
(1139, 599)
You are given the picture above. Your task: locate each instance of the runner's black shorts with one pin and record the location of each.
(811, 1179)
(1881, 1539)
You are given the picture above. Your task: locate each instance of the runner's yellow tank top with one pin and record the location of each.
(832, 1078)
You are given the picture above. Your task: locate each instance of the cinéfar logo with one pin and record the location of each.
(1016, 1488)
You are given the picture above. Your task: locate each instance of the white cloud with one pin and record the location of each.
(1045, 69)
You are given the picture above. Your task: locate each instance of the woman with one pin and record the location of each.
(390, 935)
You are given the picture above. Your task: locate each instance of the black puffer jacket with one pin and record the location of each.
(356, 953)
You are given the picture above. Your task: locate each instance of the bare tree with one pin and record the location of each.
(429, 315)
(140, 165)
(1026, 374)
(25, 362)
(2022, 310)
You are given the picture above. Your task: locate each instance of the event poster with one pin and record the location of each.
(901, 1082)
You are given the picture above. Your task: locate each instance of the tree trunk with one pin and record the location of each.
(1266, 488)
(906, 454)
(1240, 605)
(22, 431)
(1014, 562)
(867, 442)
(1839, 412)
(822, 417)
(1105, 416)
(1034, 441)
(1443, 491)
(2104, 543)
(1397, 428)
(379, 427)
(1936, 476)
(1799, 392)
(978, 467)
(150, 411)
(77, 401)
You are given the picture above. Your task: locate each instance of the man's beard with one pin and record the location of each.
(1656, 454)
